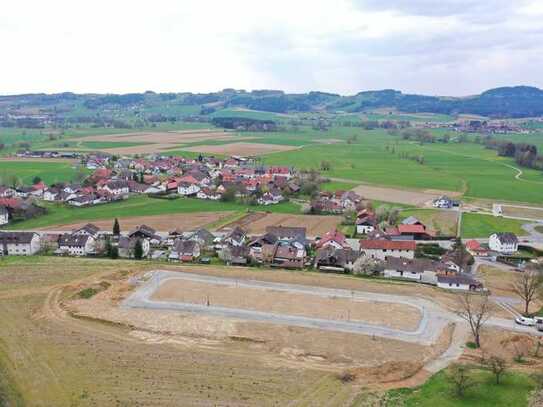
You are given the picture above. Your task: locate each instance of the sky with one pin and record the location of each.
(433, 47)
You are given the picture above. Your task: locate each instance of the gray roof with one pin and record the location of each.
(73, 240)
(16, 237)
(458, 279)
(413, 265)
(507, 237)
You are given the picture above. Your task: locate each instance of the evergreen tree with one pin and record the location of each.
(138, 250)
(116, 228)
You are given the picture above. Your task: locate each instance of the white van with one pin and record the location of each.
(539, 323)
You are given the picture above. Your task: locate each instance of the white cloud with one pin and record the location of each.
(455, 47)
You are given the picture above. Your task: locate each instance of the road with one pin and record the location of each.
(433, 320)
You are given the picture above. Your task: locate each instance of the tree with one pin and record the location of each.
(80, 174)
(36, 180)
(460, 377)
(229, 195)
(116, 228)
(459, 255)
(365, 266)
(475, 310)
(138, 250)
(497, 366)
(325, 165)
(114, 254)
(527, 285)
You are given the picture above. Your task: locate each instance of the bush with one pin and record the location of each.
(346, 377)
(88, 293)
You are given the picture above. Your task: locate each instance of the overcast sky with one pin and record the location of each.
(438, 47)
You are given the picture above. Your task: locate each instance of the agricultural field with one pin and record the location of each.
(50, 171)
(479, 225)
(49, 358)
(316, 225)
(140, 206)
(162, 223)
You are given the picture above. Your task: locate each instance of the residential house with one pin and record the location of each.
(187, 188)
(234, 255)
(127, 246)
(204, 238)
(256, 246)
(383, 249)
(235, 237)
(287, 232)
(444, 202)
(4, 215)
(19, 243)
(330, 258)
(289, 255)
(117, 187)
(185, 250)
(461, 282)
(147, 233)
(76, 244)
(476, 249)
(423, 270)
(89, 230)
(366, 222)
(332, 238)
(504, 243)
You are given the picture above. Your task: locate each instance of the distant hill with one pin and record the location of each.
(505, 102)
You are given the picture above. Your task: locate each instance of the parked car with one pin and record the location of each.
(525, 321)
(539, 323)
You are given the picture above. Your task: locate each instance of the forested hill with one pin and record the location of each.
(506, 102)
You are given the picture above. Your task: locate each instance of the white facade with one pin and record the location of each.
(20, 248)
(499, 244)
(4, 216)
(364, 229)
(188, 190)
(79, 250)
(383, 254)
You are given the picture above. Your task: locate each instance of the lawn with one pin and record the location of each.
(59, 214)
(378, 158)
(482, 226)
(49, 172)
(437, 392)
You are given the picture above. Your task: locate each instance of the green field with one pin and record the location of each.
(49, 172)
(437, 392)
(59, 214)
(478, 225)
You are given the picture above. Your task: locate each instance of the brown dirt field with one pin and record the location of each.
(316, 225)
(278, 347)
(162, 223)
(500, 282)
(392, 315)
(244, 221)
(160, 141)
(535, 213)
(416, 198)
(507, 345)
(241, 148)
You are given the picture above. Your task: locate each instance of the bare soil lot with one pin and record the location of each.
(379, 313)
(316, 225)
(415, 198)
(162, 223)
(523, 212)
(160, 141)
(241, 148)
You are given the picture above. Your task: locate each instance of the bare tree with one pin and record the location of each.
(460, 377)
(365, 266)
(526, 286)
(497, 365)
(475, 309)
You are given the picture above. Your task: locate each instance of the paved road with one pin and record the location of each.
(433, 318)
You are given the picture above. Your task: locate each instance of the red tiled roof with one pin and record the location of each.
(408, 229)
(388, 244)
